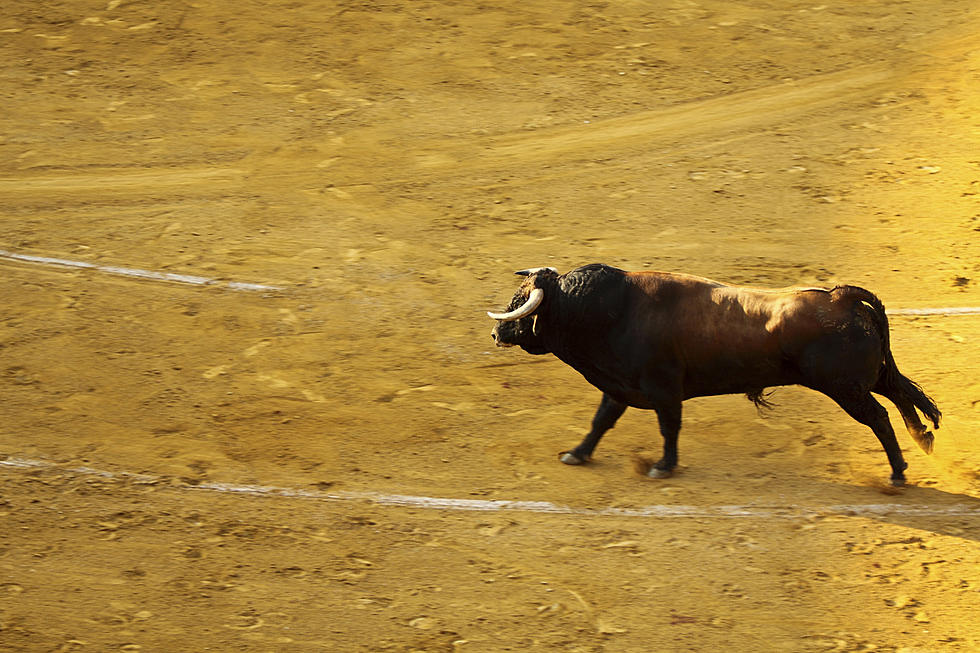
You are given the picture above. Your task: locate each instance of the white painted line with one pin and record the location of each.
(962, 310)
(508, 505)
(239, 285)
(45, 260)
(136, 273)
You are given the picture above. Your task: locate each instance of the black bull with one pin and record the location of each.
(651, 340)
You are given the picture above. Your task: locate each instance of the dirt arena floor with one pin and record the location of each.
(323, 462)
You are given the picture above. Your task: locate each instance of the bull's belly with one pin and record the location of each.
(738, 380)
(645, 397)
(626, 389)
(733, 388)
(632, 398)
(644, 387)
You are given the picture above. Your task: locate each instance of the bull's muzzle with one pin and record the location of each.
(496, 339)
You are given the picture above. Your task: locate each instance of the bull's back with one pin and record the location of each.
(728, 339)
(708, 310)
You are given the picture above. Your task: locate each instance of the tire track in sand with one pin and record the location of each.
(747, 110)
(121, 180)
(731, 117)
(758, 109)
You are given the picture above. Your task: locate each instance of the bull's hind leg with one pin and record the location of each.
(865, 409)
(919, 431)
(605, 418)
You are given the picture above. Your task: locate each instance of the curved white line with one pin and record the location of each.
(509, 505)
(134, 272)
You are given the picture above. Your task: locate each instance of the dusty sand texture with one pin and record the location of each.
(389, 165)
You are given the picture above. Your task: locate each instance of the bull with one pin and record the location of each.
(651, 340)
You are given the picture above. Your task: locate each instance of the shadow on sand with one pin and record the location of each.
(923, 508)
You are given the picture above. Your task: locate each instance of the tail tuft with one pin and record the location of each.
(913, 391)
(761, 399)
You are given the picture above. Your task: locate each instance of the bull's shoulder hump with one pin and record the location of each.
(766, 298)
(653, 277)
(790, 290)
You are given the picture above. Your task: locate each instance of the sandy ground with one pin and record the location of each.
(387, 166)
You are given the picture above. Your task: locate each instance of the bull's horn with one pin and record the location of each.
(533, 301)
(528, 272)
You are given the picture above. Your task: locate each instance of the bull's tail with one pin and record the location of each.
(903, 391)
(912, 391)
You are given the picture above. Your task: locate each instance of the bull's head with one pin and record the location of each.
(519, 325)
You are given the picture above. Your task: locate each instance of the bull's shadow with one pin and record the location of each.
(923, 508)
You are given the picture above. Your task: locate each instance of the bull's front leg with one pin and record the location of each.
(669, 417)
(605, 418)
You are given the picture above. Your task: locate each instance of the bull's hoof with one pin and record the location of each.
(898, 482)
(569, 458)
(926, 440)
(656, 472)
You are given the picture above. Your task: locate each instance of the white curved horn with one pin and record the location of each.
(533, 301)
(528, 272)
